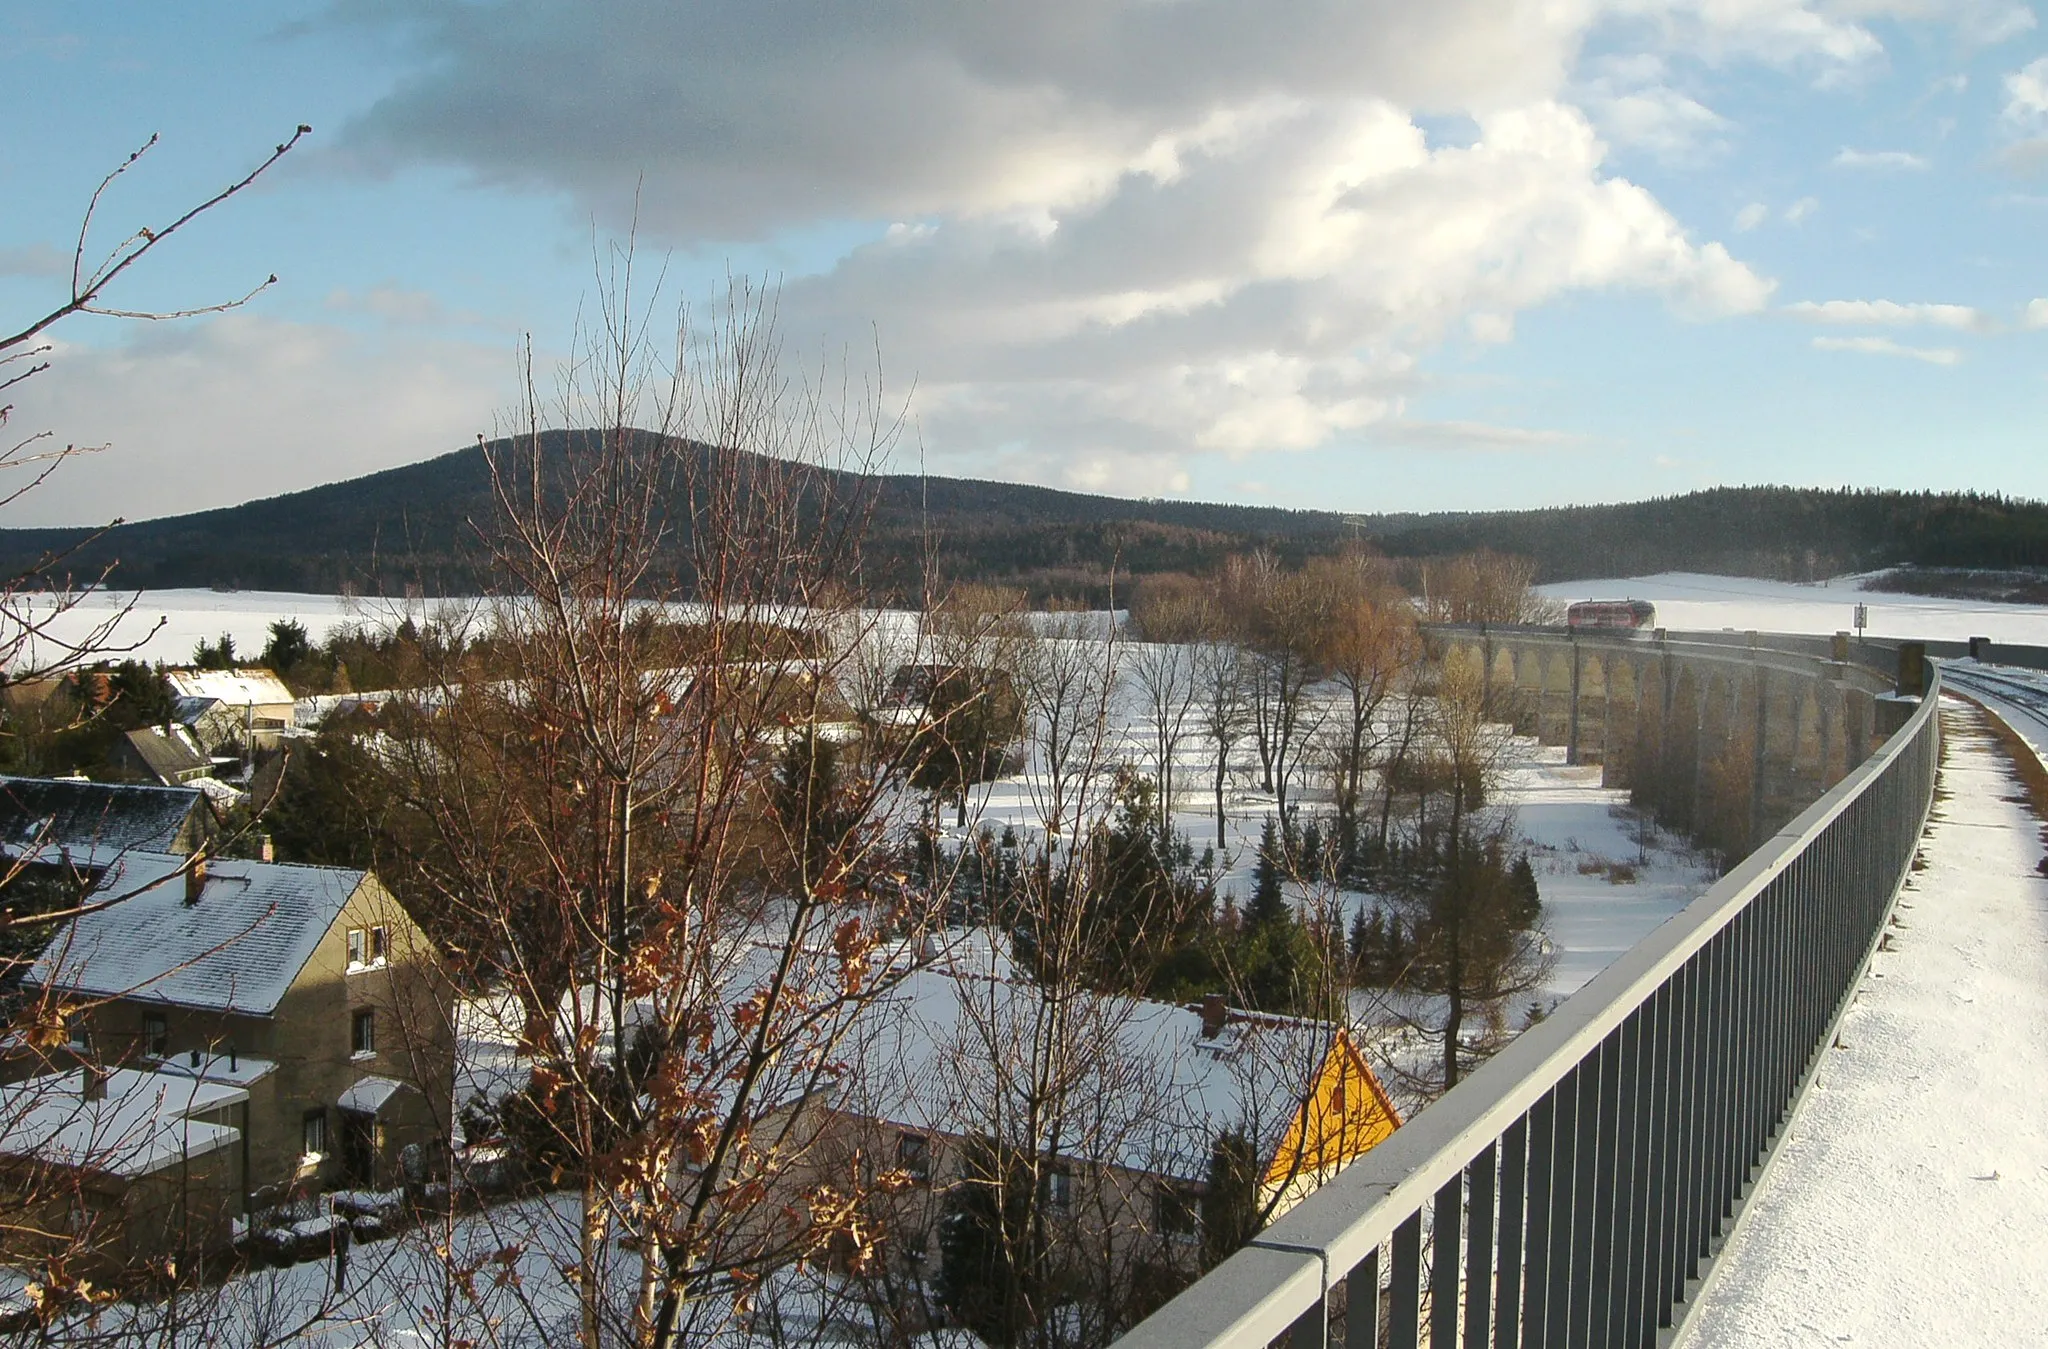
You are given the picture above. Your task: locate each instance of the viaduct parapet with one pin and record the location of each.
(1723, 740)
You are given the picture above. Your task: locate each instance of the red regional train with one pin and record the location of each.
(1611, 615)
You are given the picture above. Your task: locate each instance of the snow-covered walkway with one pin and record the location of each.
(1910, 1203)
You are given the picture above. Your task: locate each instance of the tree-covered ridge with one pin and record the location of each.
(415, 527)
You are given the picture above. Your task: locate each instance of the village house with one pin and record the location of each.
(71, 818)
(250, 706)
(1138, 1096)
(166, 755)
(308, 990)
(123, 1165)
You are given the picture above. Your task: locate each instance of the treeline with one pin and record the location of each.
(419, 529)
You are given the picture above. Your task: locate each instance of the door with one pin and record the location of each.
(358, 1151)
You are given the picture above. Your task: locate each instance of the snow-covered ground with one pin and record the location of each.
(1697, 603)
(1684, 600)
(1905, 1206)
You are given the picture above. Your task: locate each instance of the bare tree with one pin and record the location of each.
(1165, 675)
(1278, 618)
(619, 796)
(1070, 670)
(1223, 713)
(1484, 587)
(61, 1142)
(1368, 647)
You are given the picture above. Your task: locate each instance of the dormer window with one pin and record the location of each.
(368, 947)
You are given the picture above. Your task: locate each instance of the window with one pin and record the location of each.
(368, 947)
(914, 1155)
(315, 1134)
(1178, 1211)
(1059, 1188)
(156, 1035)
(363, 1032)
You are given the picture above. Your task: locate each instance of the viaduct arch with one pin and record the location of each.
(1725, 742)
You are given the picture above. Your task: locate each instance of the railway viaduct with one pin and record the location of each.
(1722, 737)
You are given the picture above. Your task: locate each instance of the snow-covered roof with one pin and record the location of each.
(170, 753)
(237, 948)
(368, 1095)
(91, 819)
(1143, 1088)
(142, 1124)
(237, 688)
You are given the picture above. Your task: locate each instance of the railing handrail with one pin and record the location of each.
(1257, 1294)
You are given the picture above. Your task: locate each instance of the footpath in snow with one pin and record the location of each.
(1909, 1205)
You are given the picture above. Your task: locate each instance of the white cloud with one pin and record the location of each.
(1848, 158)
(1884, 346)
(1633, 103)
(1801, 209)
(223, 410)
(1891, 314)
(1129, 228)
(1274, 294)
(395, 304)
(1473, 436)
(2026, 93)
(2036, 315)
(1983, 22)
(1750, 216)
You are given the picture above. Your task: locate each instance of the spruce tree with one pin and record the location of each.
(1230, 1203)
(1526, 905)
(1269, 900)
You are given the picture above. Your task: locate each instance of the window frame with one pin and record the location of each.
(358, 948)
(156, 1035)
(313, 1130)
(362, 1033)
(1059, 1187)
(1177, 1211)
(914, 1155)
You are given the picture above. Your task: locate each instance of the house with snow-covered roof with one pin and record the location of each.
(126, 1164)
(82, 821)
(249, 698)
(1116, 1106)
(309, 988)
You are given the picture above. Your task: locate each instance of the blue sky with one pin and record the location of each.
(1362, 256)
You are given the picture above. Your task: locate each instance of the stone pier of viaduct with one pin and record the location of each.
(1724, 742)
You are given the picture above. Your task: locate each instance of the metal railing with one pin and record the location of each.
(1574, 1188)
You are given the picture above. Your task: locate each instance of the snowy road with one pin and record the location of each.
(1905, 1206)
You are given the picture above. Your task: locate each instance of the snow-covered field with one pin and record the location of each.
(1691, 602)
(1684, 600)
(1905, 1204)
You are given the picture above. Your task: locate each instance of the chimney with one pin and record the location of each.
(265, 849)
(1215, 1011)
(195, 880)
(95, 1086)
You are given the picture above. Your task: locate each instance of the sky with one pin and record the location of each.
(1360, 255)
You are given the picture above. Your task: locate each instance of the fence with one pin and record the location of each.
(1574, 1188)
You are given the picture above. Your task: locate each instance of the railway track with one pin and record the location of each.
(2029, 695)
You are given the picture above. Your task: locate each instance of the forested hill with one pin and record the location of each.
(412, 526)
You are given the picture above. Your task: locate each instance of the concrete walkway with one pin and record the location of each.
(1910, 1203)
